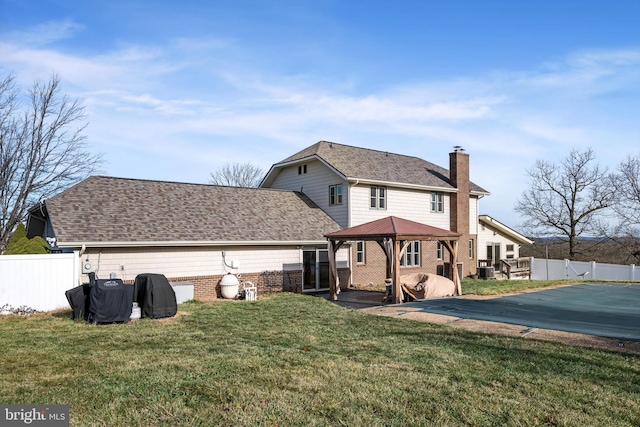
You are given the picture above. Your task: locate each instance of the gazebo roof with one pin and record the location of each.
(392, 226)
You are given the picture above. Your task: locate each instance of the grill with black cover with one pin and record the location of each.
(155, 296)
(110, 301)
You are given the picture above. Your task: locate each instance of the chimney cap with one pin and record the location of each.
(458, 148)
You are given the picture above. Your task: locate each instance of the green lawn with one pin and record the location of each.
(294, 360)
(498, 287)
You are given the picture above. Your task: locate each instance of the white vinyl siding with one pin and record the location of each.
(489, 235)
(315, 185)
(408, 204)
(195, 261)
(473, 215)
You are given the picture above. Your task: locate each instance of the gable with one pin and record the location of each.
(497, 228)
(110, 210)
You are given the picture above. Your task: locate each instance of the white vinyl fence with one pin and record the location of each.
(38, 281)
(553, 269)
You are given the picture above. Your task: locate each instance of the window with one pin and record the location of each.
(471, 249)
(411, 256)
(509, 248)
(378, 197)
(437, 202)
(439, 251)
(335, 194)
(360, 259)
(302, 169)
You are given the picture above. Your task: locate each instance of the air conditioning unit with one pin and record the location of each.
(485, 272)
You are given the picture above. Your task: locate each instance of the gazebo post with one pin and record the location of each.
(333, 246)
(397, 290)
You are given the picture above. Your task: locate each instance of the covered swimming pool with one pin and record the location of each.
(601, 309)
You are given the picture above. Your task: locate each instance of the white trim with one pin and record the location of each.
(185, 243)
(486, 219)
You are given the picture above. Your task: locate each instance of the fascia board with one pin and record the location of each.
(401, 185)
(182, 243)
(491, 222)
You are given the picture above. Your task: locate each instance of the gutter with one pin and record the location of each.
(401, 185)
(191, 243)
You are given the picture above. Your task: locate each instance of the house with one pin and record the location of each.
(274, 236)
(358, 185)
(188, 232)
(496, 241)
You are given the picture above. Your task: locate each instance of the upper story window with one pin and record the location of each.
(335, 194)
(360, 259)
(302, 169)
(437, 201)
(411, 256)
(378, 197)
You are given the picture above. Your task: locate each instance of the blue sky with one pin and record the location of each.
(173, 89)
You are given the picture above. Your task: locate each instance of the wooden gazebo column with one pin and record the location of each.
(452, 247)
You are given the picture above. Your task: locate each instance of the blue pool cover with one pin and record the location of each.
(600, 309)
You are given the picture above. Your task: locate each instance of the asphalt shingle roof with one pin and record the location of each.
(364, 163)
(106, 209)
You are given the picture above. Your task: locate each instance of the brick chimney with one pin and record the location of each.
(459, 213)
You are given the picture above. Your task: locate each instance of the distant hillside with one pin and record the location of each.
(602, 250)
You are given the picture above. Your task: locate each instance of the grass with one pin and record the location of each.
(498, 287)
(294, 360)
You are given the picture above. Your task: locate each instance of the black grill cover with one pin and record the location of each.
(155, 296)
(110, 301)
(78, 298)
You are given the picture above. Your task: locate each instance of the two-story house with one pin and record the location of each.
(273, 235)
(357, 185)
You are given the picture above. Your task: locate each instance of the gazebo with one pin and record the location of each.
(389, 232)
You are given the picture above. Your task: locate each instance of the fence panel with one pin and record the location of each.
(613, 272)
(37, 281)
(556, 269)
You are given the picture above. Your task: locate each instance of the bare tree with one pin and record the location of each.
(42, 148)
(237, 175)
(566, 199)
(628, 193)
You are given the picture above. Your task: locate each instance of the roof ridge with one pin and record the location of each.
(162, 181)
(379, 151)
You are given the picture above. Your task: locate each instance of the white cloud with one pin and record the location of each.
(191, 105)
(45, 33)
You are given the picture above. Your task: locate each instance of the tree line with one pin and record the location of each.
(584, 206)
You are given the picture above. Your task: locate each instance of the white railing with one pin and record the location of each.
(555, 269)
(38, 281)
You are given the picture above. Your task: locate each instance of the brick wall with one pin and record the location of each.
(374, 268)
(208, 287)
